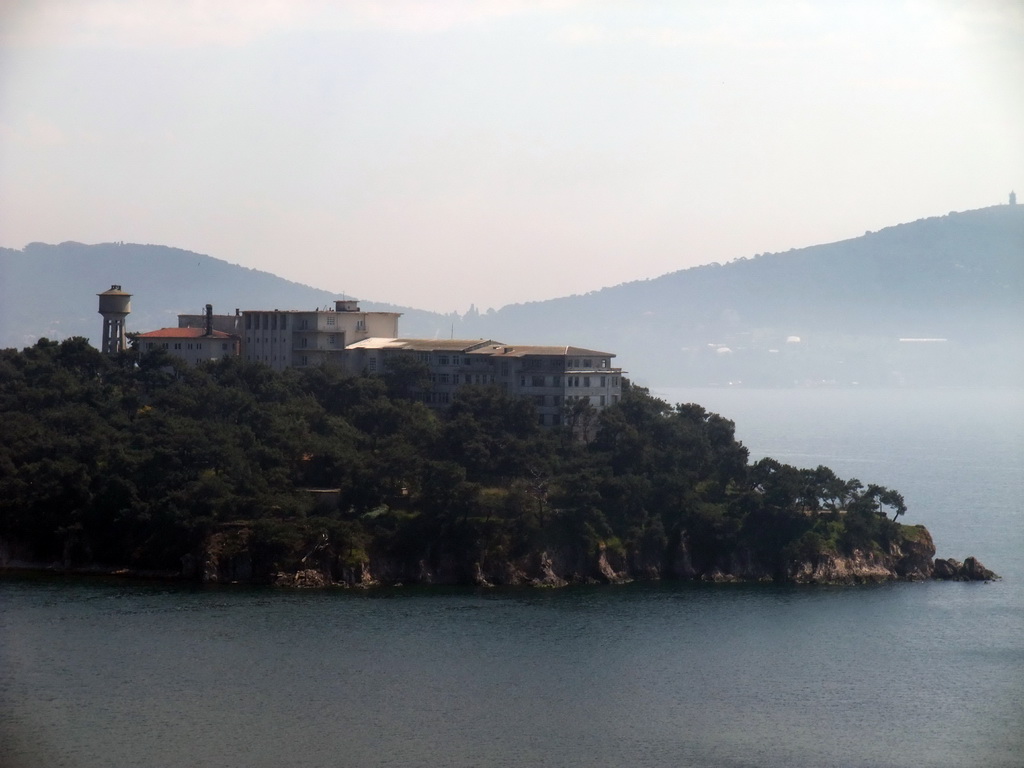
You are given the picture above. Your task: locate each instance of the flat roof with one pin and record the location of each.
(522, 350)
(477, 347)
(422, 345)
(320, 312)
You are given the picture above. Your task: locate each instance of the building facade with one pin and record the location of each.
(193, 345)
(231, 324)
(301, 339)
(553, 378)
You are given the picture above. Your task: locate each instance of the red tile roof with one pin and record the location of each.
(183, 333)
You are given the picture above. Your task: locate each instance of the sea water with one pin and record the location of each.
(114, 673)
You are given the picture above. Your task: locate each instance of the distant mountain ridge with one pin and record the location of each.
(821, 314)
(832, 313)
(50, 290)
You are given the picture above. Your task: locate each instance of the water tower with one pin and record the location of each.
(115, 305)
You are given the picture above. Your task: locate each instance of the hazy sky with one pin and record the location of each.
(438, 154)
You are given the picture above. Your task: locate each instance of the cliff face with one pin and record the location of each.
(226, 558)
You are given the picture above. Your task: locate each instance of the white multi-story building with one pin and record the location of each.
(300, 339)
(552, 377)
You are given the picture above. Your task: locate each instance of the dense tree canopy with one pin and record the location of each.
(137, 461)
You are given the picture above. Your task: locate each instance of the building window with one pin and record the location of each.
(537, 381)
(273, 322)
(556, 419)
(588, 363)
(177, 345)
(284, 322)
(602, 401)
(331, 320)
(360, 325)
(522, 381)
(330, 339)
(615, 399)
(540, 419)
(603, 381)
(372, 365)
(442, 378)
(538, 400)
(442, 360)
(586, 381)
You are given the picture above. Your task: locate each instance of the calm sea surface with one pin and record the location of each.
(110, 673)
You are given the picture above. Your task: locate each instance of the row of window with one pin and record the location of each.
(332, 340)
(457, 378)
(570, 381)
(273, 321)
(333, 321)
(453, 360)
(268, 322)
(434, 398)
(178, 345)
(588, 362)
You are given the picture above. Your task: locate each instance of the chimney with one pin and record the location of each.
(209, 319)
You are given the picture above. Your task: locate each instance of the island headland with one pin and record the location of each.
(231, 472)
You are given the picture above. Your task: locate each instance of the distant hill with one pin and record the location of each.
(50, 290)
(831, 313)
(939, 301)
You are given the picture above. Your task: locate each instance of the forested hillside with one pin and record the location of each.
(234, 472)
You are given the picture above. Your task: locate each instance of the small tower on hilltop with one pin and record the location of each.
(1013, 198)
(115, 306)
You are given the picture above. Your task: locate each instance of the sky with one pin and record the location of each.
(452, 153)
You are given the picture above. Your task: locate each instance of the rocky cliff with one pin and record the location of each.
(227, 557)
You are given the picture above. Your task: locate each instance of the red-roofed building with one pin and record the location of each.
(192, 345)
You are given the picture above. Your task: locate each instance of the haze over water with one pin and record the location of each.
(99, 673)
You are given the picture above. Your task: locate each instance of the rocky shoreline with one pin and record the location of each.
(225, 559)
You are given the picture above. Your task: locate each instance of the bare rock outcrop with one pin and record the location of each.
(970, 569)
(308, 578)
(547, 576)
